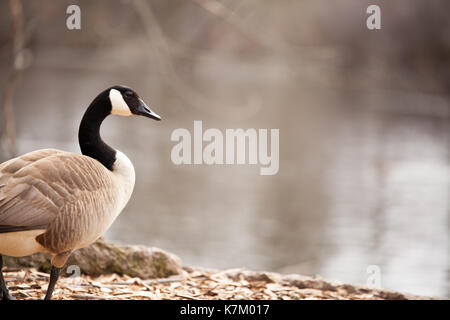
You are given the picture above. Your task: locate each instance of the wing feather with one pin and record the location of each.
(36, 187)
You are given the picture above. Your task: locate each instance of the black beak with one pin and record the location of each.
(144, 110)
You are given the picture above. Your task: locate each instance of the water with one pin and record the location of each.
(364, 150)
(363, 180)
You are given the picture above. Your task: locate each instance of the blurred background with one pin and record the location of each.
(364, 119)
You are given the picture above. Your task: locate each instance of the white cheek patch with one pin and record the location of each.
(119, 106)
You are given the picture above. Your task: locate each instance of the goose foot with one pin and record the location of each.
(54, 275)
(4, 292)
(6, 296)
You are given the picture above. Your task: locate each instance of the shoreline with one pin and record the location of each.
(108, 271)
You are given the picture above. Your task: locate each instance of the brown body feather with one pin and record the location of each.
(70, 196)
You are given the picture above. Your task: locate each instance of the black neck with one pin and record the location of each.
(91, 143)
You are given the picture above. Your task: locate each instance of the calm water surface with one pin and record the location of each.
(363, 180)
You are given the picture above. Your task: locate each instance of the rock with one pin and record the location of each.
(304, 282)
(103, 257)
(313, 286)
(250, 276)
(390, 295)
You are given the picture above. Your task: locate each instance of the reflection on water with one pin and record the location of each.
(389, 188)
(359, 184)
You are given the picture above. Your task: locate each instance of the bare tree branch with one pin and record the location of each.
(227, 15)
(17, 63)
(218, 10)
(163, 55)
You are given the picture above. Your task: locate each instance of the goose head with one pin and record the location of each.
(126, 102)
(117, 100)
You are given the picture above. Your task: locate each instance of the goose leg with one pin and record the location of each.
(4, 292)
(54, 275)
(58, 262)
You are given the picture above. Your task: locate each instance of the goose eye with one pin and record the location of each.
(128, 93)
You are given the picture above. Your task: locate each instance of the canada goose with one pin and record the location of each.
(55, 202)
